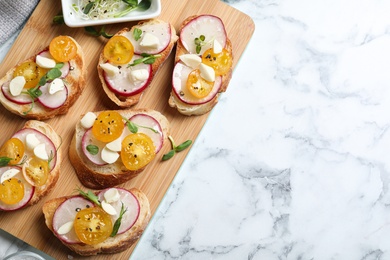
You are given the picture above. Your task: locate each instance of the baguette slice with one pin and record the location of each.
(130, 100)
(111, 245)
(49, 132)
(103, 176)
(75, 82)
(198, 109)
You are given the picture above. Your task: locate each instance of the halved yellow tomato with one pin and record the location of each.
(137, 151)
(36, 171)
(31, 72)
(108, 126)
(198, 86)
(11, 191)
(220, 62)
(118, 50)
(13, 148)
(63, 48)
(92, 225)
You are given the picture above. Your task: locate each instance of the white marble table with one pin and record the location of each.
(293, 162)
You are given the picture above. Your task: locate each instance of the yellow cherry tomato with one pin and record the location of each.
(220, 62)
(108, 126)
(118, 50)
(92, 225)
(14, 149)
(198, 86)
(31, 72)
(63, 48)
(11, 191)
(36, 171)
(137, 151)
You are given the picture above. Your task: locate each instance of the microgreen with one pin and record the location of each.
(91, 30)
(117, 223)
(92, 149)
(175, 149)
(133, 127)
(59, 19)
(146, 59)
(88, 7)
(199, 42)
(132, 5)
(137, 34)
(89, 195)
(4, 161)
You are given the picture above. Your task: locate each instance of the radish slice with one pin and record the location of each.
(21, 99)
(130, 202)
(89, 139)
(65, 213)
(148, 121)
(52, 100)
(50, 147)
(64, 70)
(28, 190)
(160, 30)
(122, 83)
(179, 81)
(209, 26)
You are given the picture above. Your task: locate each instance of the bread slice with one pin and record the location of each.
(112, 245)
(98, 177)
(199, 109)
(75, 82)
(48, 131)
(128, 101)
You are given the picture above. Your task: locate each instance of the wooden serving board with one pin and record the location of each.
(28, 224)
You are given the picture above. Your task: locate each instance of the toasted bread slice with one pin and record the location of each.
(96, 176)
(128, 100)
(203, 107)
(111, 245)
(52, 141)
(74, 81)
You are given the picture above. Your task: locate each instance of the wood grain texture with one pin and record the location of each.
(28, 224)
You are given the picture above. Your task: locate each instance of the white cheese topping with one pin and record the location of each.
(149, 41)
(88, 120)
(56, 85)
(217, 47)
(111, 195)
(139, 75)
(110, 69)
(45, 62)
(207, 72)
(40, 152)
(16, 85)
(8, 174)
(109, 156)
(108, 208)
(116, 145)
(191, 60)
(65, 228)
(31, 141)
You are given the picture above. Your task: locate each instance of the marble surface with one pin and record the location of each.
(293, 162)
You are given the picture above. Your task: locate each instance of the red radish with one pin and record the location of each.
(65, 213)
(50, 147)
(161, 30)
(148, 121)
(210, 26)
(89, 139)
(130, 203)
(52, 100)
(28, 190)
(123, 84)
(179, 80)
(21, 99)
(64, 70)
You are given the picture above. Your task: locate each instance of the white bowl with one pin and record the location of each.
(73, 20)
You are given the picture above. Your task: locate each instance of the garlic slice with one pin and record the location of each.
(107, 207)
(65, 228)
(16, 85)
(40, 152)
(88, 120)
(8, 174)
(111, 195)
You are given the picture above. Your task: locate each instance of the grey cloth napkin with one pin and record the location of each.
(13, 14)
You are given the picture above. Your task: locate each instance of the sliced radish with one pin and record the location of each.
(50, 147)
(28, 190)
(179, 80)
(52, 100)
(21, 99)
(89, 139)
(64, 70)
(211, 27)
(123, 84)
(66, 213)
(160, 30)
(148, 121)
(130, 203)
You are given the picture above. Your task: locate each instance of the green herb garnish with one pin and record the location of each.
(132, 5)
(4, 161)
(146, 59)
(92, 149)
(133, 127)
(199, 42)
(91, 30)
(90, 196)
(176, 149)
(137, 34)
(117, 223)
(88, 7)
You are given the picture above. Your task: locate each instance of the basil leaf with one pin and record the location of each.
(137, 34)
(183, 146)
(92, 149)
(117, 223)
(4, 161)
